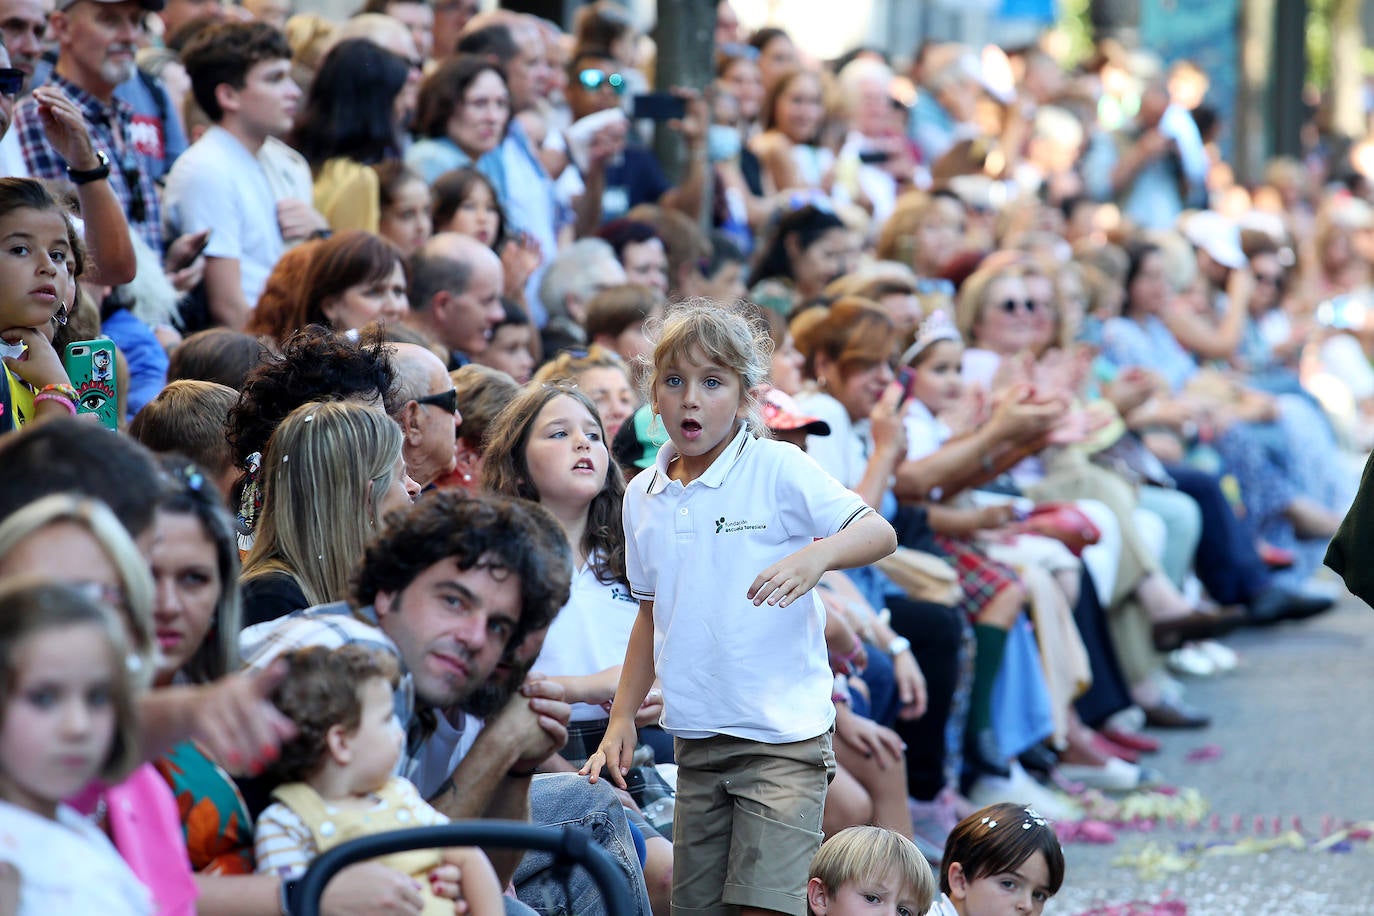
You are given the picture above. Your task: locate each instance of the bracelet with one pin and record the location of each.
(57, 399)
(60, 388)
(521, 774)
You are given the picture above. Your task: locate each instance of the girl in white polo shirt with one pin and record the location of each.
(725, 537)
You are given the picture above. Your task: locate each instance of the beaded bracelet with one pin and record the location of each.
(61, 389)
(66, 402)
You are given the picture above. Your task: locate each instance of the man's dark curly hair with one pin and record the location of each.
(315, 365)
(492, 532)
(321, 690)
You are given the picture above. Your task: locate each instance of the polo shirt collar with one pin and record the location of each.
(715, 474)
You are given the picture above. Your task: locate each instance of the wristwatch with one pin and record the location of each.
(289, 887)
(86, 176)
(898, 646)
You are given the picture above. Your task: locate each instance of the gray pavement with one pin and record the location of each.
(1296, 726)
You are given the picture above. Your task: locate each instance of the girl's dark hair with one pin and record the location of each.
(442, 92)
(806, 224)
(1137, 251)
(351, 108)
(452, 188)
(30, 194)
(216, 355)
(189, 491)
(995, 839)
(505, 470)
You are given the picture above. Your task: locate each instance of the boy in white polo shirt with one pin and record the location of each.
(740, 653)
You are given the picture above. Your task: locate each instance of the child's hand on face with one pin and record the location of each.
(39, 365)
(788, 579)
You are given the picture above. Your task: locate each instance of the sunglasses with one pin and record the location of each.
(11, 81)
(1011, 305)
(1269, 279)
(445, 400)
(593, 80)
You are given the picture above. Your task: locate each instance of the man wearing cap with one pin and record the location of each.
(97, 41)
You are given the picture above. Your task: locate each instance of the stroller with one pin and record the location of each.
(568, 844)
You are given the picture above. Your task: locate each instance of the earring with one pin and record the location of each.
(60, 316)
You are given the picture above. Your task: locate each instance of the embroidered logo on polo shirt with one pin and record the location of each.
(728, 527)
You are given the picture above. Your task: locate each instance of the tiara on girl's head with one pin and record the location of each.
(935, 328)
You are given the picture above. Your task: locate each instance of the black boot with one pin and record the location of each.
(982, 756)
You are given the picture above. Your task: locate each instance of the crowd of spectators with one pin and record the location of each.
(1112, 400)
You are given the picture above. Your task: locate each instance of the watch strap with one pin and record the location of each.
(86, 176)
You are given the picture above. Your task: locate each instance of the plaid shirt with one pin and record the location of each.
(110, 126)
(332, 626)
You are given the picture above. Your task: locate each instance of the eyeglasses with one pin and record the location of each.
(11, 81)
(593, 80)
(445, 400)
(1011, 305)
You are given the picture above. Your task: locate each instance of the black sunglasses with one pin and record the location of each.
(1010, 305)
(11, 81)
(446, 400)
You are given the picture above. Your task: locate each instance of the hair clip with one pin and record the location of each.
(1033, 817)
(988, 822)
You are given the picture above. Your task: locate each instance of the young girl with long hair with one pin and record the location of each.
(726, 536)
(550, 446)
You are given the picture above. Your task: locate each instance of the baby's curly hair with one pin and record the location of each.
(321, 690)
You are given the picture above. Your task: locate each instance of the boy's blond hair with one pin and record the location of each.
(859, 854)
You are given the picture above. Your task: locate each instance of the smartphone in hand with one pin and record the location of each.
(658, 106)
(90, 365)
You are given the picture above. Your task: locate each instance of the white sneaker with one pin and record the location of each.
(1130, 719)
(1020, 789)
(1116, 776)
(1223, 657)
(1191, 660)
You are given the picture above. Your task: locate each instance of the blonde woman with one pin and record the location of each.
(601, 376)
(332, 472)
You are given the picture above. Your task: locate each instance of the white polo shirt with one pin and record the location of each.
(589, 634)
(727, 667)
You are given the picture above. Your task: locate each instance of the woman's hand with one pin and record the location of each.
(911, 685)
(65, 128)
(882, 745)
(615, 754)
(885, 422)
(520, 257)
(237, 724)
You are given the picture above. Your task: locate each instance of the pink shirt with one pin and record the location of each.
(146, 829)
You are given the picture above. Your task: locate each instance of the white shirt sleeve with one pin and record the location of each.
(810, 501)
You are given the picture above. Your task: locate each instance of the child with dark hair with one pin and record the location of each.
(337, 777)
(1002, 858)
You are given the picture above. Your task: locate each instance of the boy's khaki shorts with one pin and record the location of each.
(747, 822)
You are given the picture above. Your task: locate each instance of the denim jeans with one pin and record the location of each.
(563, 800)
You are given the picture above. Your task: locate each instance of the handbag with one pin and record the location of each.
(922, 576)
